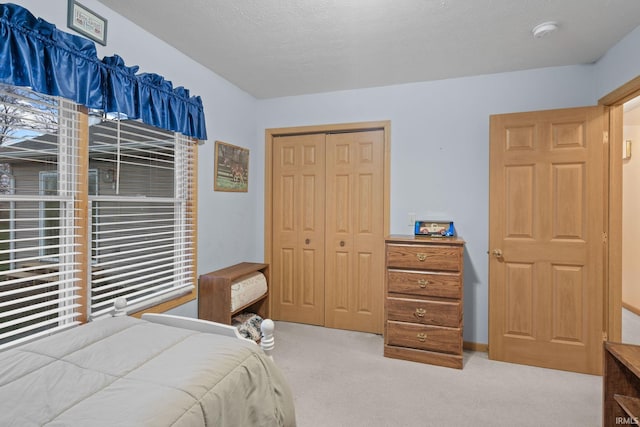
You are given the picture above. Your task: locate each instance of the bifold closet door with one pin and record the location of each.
(328, 234)
(297, 268)
(354, 256)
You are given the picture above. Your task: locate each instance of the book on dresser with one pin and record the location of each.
(424, 299)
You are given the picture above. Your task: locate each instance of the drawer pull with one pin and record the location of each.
(420, 312)
(421, 256)
(423, 283)
(422, 337)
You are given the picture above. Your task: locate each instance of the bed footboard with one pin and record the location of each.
(267, 343)
(193, 324)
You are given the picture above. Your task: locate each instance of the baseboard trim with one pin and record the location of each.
(631, 308)
(474, 346)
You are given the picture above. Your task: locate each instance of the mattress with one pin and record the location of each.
(247, 289)
(129, 372)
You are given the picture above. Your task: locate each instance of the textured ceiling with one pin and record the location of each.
(272, 48)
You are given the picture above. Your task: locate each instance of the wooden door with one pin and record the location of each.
(354, 240)
(547, 238)
(297, 266)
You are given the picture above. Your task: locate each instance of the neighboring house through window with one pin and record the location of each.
(49, 221)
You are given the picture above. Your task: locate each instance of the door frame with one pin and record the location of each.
(613, 274)
(270, 134)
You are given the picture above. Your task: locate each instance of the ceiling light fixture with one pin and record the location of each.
(541, 30)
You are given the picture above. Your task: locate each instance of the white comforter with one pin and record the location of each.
(129, 372)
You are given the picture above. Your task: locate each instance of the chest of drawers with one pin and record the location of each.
(423, 300)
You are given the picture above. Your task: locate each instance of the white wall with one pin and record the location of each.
(226, 221)
(619, 65)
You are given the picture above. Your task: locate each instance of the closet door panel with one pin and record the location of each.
(341, 278)
(365, 302)
(354, 231)
(298, 229)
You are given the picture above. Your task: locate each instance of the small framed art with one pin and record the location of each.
(86, 22)
(231, 168)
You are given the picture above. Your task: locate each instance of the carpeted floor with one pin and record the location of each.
(340, 378)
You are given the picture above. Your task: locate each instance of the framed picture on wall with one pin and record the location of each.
(231, 168)
(86, 22)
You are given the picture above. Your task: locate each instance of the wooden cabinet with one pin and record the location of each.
(621, 388)
(423, 300)
(214, 293)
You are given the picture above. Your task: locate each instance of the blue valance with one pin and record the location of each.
(36, 54)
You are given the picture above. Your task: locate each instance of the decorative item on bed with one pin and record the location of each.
(159, 370)
(236, 295)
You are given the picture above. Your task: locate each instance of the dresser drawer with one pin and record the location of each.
(423, 337)
(435, 257)
(425, 312)
(444, 285)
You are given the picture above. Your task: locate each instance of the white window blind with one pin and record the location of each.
(39, 180)
(142, 217)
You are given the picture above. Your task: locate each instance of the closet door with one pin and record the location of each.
(354, 236)
(297, 268)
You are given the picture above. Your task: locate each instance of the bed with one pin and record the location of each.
(123, 371)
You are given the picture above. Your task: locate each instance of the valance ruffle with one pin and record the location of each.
(36, 54)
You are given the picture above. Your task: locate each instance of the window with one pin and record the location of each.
(38, 134)
(142, 234)
(91, 209)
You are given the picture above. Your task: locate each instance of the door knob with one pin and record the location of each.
(497, 253)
